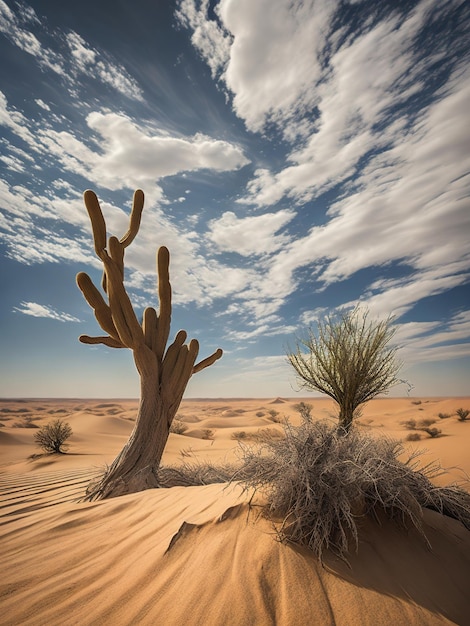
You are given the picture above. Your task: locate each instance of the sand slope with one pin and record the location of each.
(201, 555)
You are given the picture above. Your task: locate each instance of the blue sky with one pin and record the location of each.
(296, 157)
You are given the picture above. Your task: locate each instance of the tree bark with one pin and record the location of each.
(164, 372)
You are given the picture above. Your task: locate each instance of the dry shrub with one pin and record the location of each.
(462, 414)
(320, 482)
(432, 432)
(424, 423)
(444, 416)
(240, 434)
(207, 433)
(191, 474)
(261, 435)
(51, 437)
(274, 416)
(413, 437)
(178, 427)
(305, 410)
(27, 422)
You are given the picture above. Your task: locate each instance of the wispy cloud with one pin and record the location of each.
(434, 341)
(363, 117)
(77, 60)
(43, 310)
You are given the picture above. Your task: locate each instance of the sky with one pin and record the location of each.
(298, 157)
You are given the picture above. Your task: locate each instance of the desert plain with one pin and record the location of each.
(205, 555)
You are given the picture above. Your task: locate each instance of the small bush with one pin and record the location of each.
(274, 416)
(239, 434)
(52, 436)
(320, 482)
(178, 427)
(305, 411)
(410, 424)
(462, 414)
(426, 422)
(194, 474)
(207, 433)
(413, 437)
(444, 416)
(26, 423)
(432, 432)
(416, 402)
(260, 414)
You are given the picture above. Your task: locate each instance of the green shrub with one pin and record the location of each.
(349, 360)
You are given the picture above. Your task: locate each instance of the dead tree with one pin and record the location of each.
(164, 371)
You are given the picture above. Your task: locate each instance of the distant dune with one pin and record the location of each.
(201, 555)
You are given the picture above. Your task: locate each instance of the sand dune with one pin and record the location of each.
(201, 555)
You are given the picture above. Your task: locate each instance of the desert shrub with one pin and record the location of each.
(207, 433)
(178, 427)
(443, 416)
(51, 437)
(260, 414)
(261, 435)
(305, 411)
(432, 432)
(26, 422)
(320, 482)
(347, 359)
(413, 437)
(424, 423)
(192, 474)
(274, 416)
(416, 402)
(462, 414)
(239, 434)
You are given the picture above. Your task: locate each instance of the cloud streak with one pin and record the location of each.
(43, 310)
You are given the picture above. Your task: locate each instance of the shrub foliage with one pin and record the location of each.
(347, 359)
(51, 437)
(319, 483)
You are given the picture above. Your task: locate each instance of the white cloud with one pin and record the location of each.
(82, 59)
(42, 104)
(11, 27)
(134, 156)
(88, 61)
(252, 235)
(434, 341)
(210, 39)
(41, 310)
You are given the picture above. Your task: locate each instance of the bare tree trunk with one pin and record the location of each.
(164, 372)
(346, 415)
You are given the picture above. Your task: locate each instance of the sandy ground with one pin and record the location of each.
(200, 555)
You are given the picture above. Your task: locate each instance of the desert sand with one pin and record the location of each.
(204, 555)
